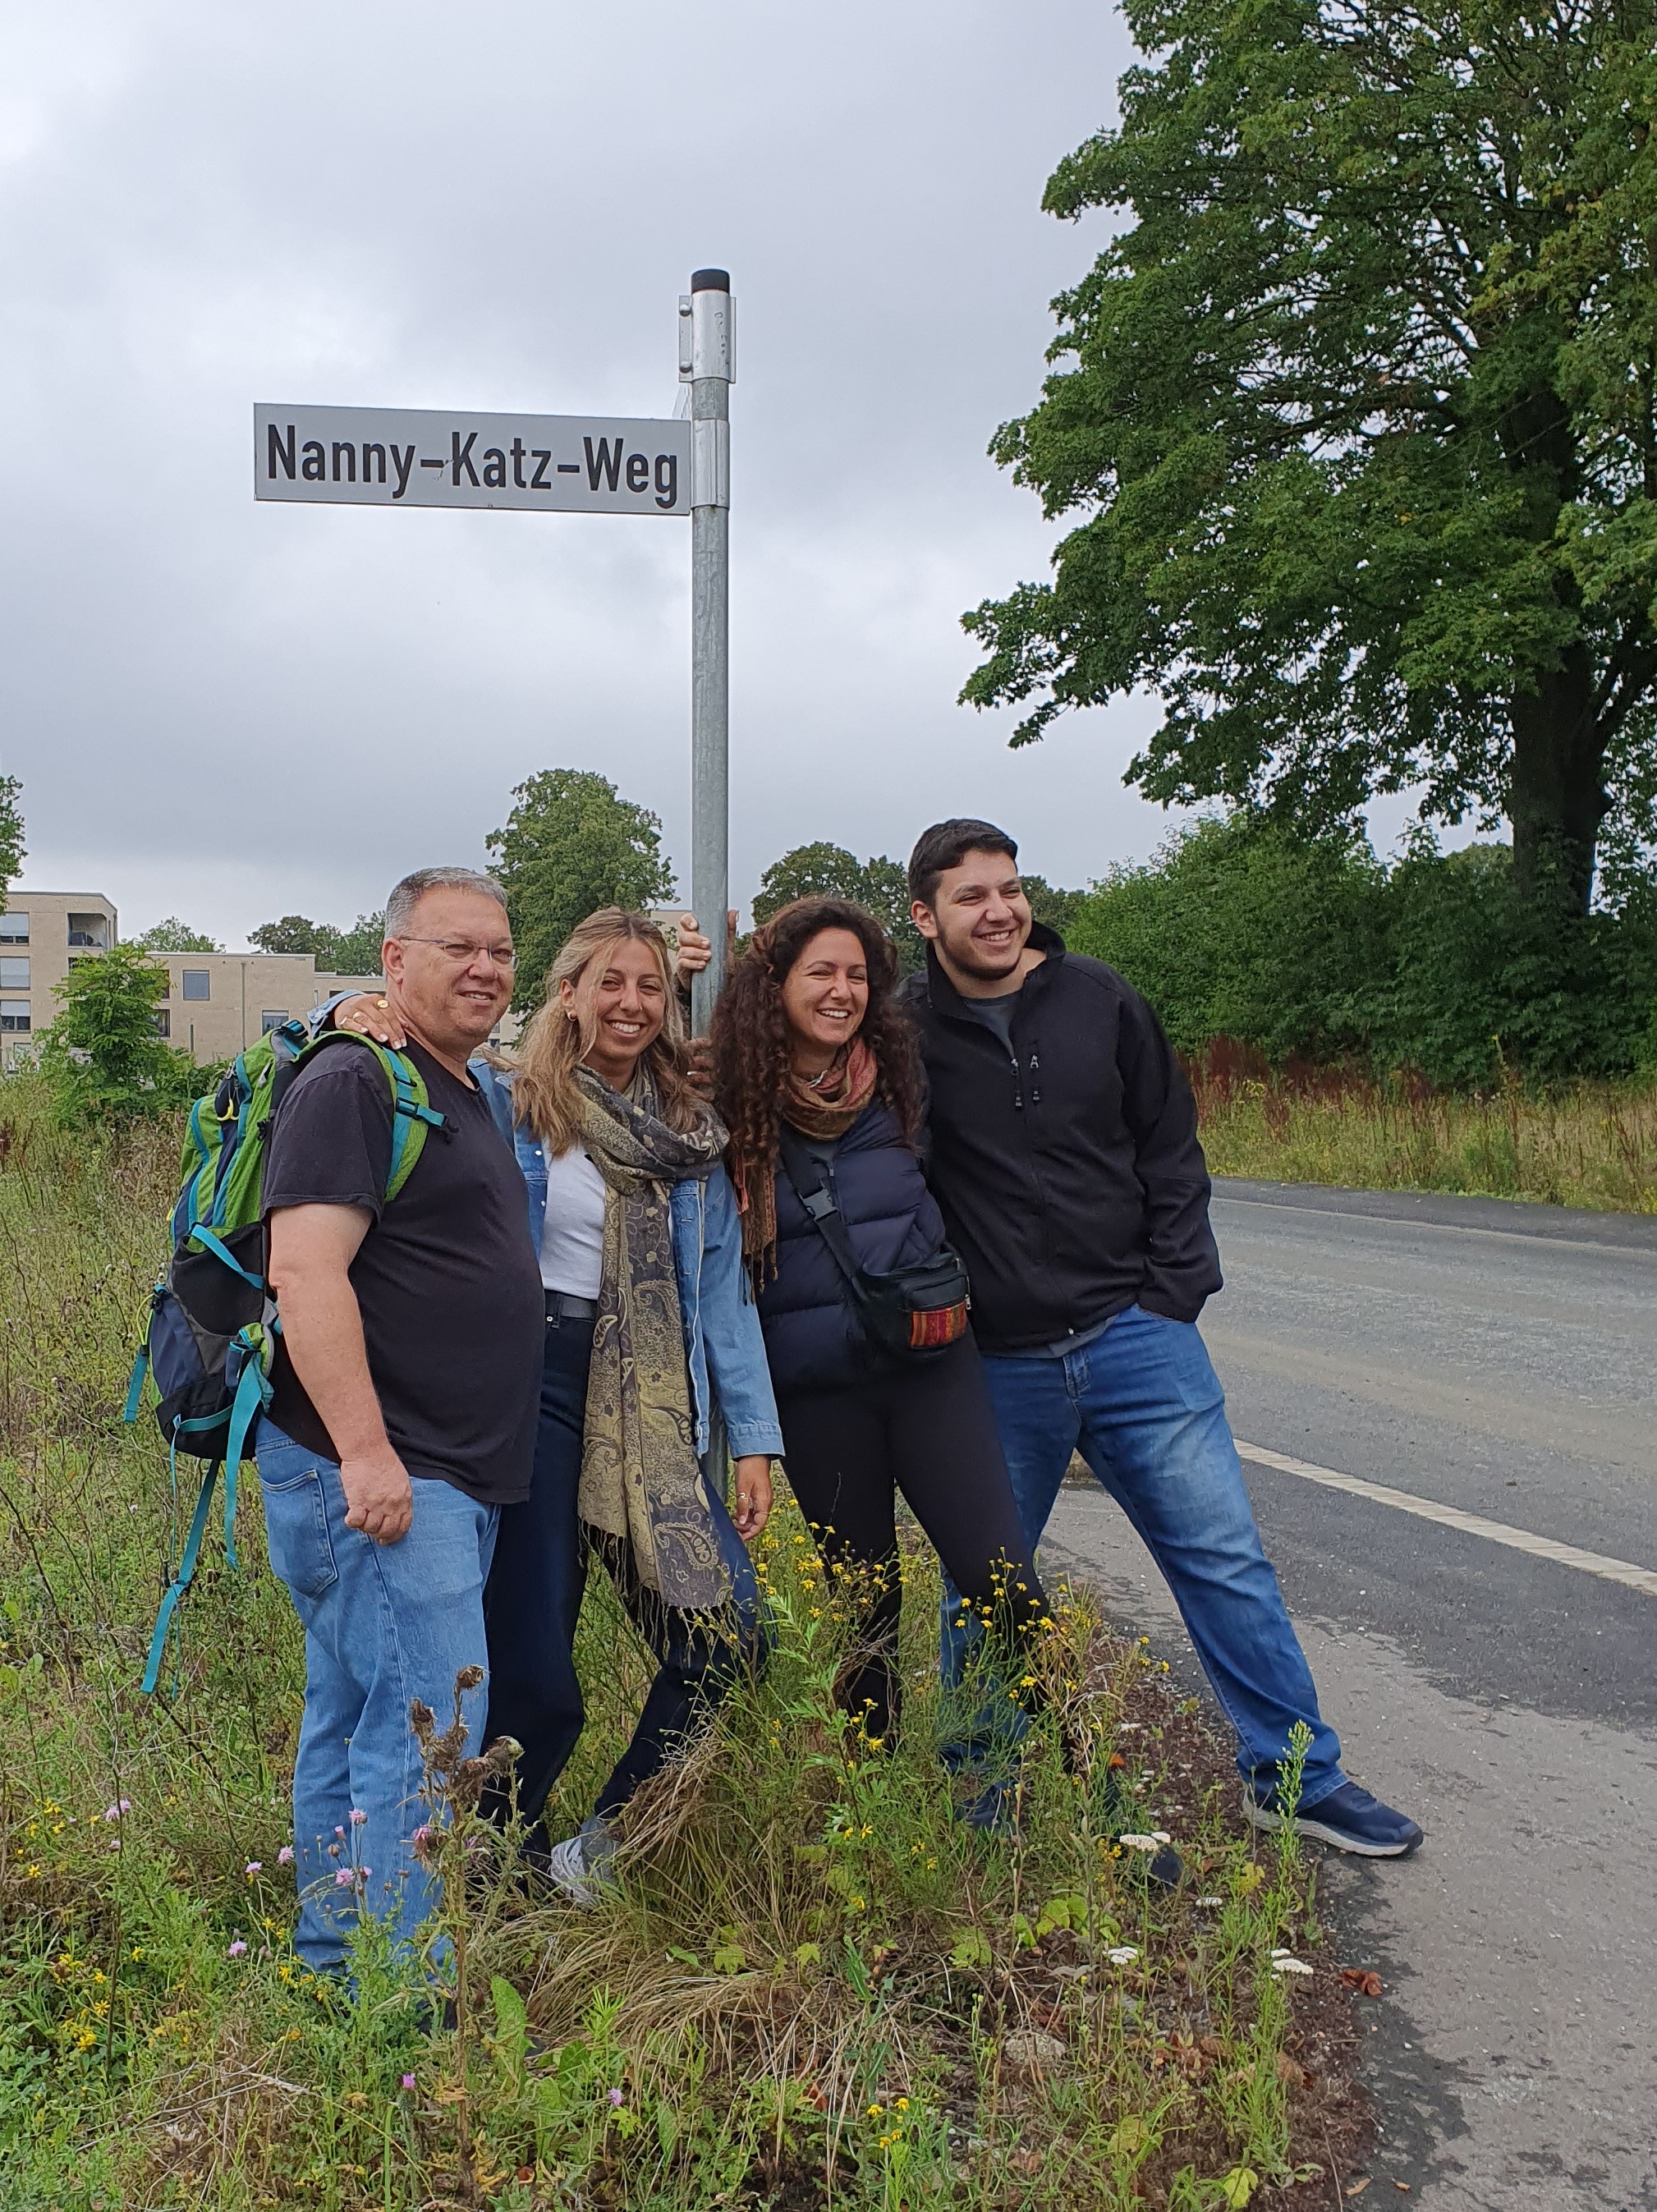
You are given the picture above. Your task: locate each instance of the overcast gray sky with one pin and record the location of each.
(228, 711)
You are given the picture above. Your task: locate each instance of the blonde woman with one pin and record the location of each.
(647, 1327)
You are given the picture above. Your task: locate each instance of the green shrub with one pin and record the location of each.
(1309, 948)
(102, 1057)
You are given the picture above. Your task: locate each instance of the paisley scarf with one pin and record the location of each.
(640, 1478)
(824, 1109)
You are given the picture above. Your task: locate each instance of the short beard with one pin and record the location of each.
(973, 962)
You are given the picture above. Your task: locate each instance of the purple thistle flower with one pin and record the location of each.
(615, 2096)
(340, 1832)
(114, 1812)
(253, 1867)
(237, 1950)
(408, 2081)
(285, 1856)
(358, 1817)
(343, 1878)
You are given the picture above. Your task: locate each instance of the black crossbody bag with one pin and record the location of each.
(912, 1311)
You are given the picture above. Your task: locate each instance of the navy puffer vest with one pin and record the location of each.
(813, 1337)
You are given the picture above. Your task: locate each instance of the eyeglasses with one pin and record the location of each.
(463, 954)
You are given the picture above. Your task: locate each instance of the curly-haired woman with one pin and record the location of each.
(818, 1079)
(641, 1258)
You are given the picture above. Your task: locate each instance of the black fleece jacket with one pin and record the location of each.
(1069, 1173)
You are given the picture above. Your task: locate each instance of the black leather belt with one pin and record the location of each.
(564, 1305)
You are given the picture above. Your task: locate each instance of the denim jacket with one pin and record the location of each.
(721, 1324)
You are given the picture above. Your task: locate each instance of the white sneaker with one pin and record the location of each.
(580, 1866)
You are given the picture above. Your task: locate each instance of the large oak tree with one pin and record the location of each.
(1358, 407)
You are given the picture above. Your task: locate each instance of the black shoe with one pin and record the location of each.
(1348, 1820)
(1160, 1864)
(993, 1812)
(1153, 1857)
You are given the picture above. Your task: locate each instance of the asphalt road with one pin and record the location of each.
(1500, 1361)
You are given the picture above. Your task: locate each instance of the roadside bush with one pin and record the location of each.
(102, 1059)
(1312, 949)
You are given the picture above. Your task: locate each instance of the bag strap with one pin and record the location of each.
(412, 1111)
(182, 1580)
(820, 1204)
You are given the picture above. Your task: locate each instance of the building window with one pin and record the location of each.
(272, 1019)
(89, 933)
(163, 1021)
(196, 984)
(13, 974)
(14, 1014)
(14, 928)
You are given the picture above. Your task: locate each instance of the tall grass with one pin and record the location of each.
(813, 1986)
(1589, 1144)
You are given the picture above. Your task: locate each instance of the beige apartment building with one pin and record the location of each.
(42, 935)
(215, 1002)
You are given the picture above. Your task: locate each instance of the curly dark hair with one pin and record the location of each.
(750, 1030)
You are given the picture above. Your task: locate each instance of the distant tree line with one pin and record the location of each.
(1299, 944)
(353, 951)
(1310, 947)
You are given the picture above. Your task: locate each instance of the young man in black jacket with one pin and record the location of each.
(1066, 1160)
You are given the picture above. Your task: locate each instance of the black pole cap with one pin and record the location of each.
(710, 280)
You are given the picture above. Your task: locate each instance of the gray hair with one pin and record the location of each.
(406, 895)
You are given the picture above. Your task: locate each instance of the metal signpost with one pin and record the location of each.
(570, 465)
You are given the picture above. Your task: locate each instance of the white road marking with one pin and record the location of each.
(1643, 1579)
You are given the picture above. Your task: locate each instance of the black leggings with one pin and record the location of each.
(927, 1430)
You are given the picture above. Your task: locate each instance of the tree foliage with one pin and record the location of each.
(172, 935)
(1359, 408)
(353, 951)
(827, 870)
(11, 832)
(103, 1055)
(1309, 947)
(570, 846)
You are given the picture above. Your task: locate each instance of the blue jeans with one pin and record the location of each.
(384, 1623)
(534, 1601)
(1142, 1405)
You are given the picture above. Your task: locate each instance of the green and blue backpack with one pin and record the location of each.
(212, 1325)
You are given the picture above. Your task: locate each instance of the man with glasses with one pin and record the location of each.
(405, 1392)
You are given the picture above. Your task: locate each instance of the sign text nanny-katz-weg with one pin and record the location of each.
(416, 457)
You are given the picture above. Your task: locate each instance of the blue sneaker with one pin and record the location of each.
(1348, 1820)
(993, 1812)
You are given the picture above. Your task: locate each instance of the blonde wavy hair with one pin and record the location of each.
(545, 1094)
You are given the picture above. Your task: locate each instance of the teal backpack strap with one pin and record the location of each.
(202, 1235)
(412, 1115)
(253, 1394)
(135, 1388)
(412, 1111)
(191, 1553)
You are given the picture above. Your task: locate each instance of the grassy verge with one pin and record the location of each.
(812, 1988)
(1592, 1145)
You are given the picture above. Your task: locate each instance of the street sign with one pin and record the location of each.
(574, 465)
(423, 457)
(579, 465)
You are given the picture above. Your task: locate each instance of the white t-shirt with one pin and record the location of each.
(572, 1234)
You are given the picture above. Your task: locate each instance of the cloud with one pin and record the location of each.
(229, 711)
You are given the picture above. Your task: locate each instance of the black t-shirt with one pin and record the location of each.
(447, 1280)
(997, 1014)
